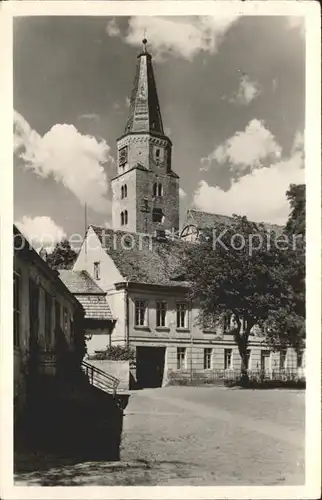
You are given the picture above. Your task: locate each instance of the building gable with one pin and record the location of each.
(92, 252)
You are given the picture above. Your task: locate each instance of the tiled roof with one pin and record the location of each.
(96, 307)
(88, 293)
(144, 112)
(208, 220)
(146, 260)
(79, 282)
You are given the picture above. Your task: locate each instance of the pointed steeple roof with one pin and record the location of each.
(145, 114)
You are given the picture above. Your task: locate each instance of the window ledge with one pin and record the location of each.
(162, 328)
(182, 329)
(142, 327)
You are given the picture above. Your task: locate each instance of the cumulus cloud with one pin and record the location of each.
(260, 195)
(248, 91)
(245, 149)
(73, 159)
(41, 231)
(181, 36)
(182, 193)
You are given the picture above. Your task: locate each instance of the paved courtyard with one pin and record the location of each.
(200, 436)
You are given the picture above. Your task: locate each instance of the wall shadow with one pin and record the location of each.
(68, 425)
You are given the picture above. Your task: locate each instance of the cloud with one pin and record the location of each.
(247, 92)
(73, 159)
(112, 28)
(260, 195)
(245, 150)
(180, 36)
(41, 231)
(182, 193)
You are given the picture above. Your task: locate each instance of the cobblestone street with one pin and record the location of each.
(200, 436)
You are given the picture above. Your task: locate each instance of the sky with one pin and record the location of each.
(232, 97)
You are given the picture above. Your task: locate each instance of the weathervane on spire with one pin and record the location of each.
(144, 41)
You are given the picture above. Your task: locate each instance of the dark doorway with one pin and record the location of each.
(149, 366)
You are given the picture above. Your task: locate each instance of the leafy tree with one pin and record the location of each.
(296, 220)
(249, 273)
(62, 257)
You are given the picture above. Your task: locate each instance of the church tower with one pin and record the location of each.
(145, 189)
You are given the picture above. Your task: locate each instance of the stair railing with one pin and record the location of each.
(100, 379)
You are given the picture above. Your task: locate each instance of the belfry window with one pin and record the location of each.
(157, 189)
(157, 215)
(124, 191)
(124, 218)
(123, 156)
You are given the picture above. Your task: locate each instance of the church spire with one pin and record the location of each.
(144, 114)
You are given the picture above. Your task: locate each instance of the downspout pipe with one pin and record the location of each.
(127, 319)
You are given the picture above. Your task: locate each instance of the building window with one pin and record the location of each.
(181, 358)
(48, 316)
(157, 153)
(228, 358)
(124, 191)
(161, 313)
(16, 306)
(207, 355)
(140, 313)
(283, 359)
(265, 361)
(157, 215)
(57, 314)
(157, 189)
(182, 315)
(97, 270)
(123, 156)
(65, 321)
(124, 218)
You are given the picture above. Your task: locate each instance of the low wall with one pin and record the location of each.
(219, 377)
(118, 369)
